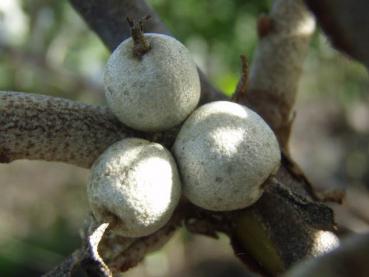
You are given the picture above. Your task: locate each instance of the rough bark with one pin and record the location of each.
(283, 227)
(108, 19)
(63, 130)
(288, 222)
(39, 127)
(275, 71)
(350, 259)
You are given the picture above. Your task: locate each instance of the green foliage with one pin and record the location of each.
(36, 254)
(57, 53)
(217, 33)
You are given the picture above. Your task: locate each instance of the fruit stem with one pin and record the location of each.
(140, 44)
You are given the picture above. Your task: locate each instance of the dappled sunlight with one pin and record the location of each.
(13, 22)
(305, 27)
(324, 241)
(161, 193)
(227, 139)
(47, 48)
(228, 109)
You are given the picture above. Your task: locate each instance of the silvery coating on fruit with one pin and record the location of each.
(155, 92)
(225, 152)
(137, 182)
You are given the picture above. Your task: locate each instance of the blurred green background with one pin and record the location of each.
(46, 48)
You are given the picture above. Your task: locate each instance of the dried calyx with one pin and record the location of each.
(151, 81)
(140, 43)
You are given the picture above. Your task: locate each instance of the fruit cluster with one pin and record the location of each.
(222, 155)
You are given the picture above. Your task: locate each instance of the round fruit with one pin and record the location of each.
(225, 152)
(153, 92)
(136, 184)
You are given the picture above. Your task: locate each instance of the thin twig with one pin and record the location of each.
(276, 69)
(242, 85)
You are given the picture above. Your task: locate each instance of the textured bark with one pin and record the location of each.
(285, 226)
(42, 127)
(345, 22)
(39, 127)
(351, 259)
(275, 71)
(279, 230)
(108, 19)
